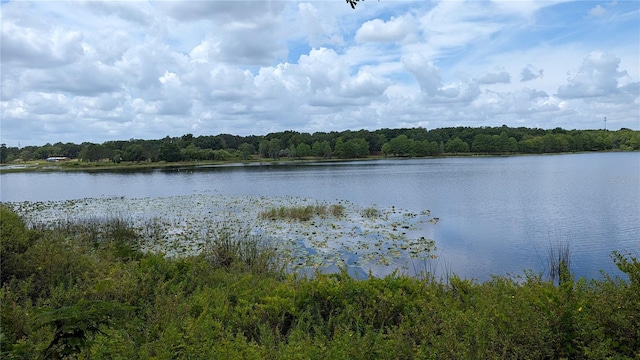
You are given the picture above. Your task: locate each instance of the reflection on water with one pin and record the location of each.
(497, 214)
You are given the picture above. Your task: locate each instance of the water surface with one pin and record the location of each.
(497, 215)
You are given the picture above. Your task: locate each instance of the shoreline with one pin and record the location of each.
(77, 165)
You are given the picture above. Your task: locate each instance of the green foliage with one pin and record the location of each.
(321, 149)
(72, 297)
(75, 325)
(170, 152)
(353, 148)
(456, 145)
(405, 142)
(14, 242)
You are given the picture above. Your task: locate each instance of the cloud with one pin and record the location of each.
(427, 75)
(115, 70)
(597, 11)
(29, 47)
(597, 77)
(494, 78)
(127, 11)
(394, 30)
(530, 73)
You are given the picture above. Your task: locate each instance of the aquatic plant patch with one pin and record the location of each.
(307, 233)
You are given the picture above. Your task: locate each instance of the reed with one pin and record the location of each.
(559, 259)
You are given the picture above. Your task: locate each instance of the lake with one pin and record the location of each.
(497, 215)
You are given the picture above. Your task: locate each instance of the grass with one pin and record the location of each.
(559, 259)
(230, 247)
(302, 213)
(371, 212)
(68, 294)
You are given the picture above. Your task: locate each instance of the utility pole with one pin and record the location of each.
(605, 123)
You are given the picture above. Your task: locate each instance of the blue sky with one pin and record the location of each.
(96, 71)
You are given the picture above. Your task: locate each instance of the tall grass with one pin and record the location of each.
(371, 212)
(559, 260)
(230, 246)
(302, 213)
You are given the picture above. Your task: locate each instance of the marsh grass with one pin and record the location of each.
(230, 245)
(302, 213)
(371, 212)
(559, 260)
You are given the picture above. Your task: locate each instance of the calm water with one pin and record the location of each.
(497, 215)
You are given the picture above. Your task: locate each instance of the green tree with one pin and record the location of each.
(321, 149)
(3, 153)
(93, 152)
(263, 148)
(340, 149)
(482, 143)
(133, 152)
(426, 148)
(303, 150)
(456, 145)
(507, 144)
(246, 150)
(401, 145)
(191, 152)
(116, 156)
(221, 155)
(534, 145)
(360, 148)
(169, 152)
(274, 148)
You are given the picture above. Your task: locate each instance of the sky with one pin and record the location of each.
(96, 71)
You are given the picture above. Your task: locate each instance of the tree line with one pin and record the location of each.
(401, 142)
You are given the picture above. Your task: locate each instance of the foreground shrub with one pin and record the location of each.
(76, 298)
(14, 242)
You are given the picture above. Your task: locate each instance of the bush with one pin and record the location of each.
(75, 297)
(14, 242)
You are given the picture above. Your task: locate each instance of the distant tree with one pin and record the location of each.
(274, 148)
(482, 143)
(221, 155)
(506, 143)
(360, 147)
(456, 145)
(246, 150)
(426, 148)
(169, 152)
(303, 150)
(191, 153)
(321, 149)
(354, 148)
(263, 148)
(93, 152)
(401, 145)
(116, 156)
(3, 153)
(133, 152)
(339, 149)
(532, 145)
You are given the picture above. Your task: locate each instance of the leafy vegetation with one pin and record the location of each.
(70, 293)
(321, 145)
